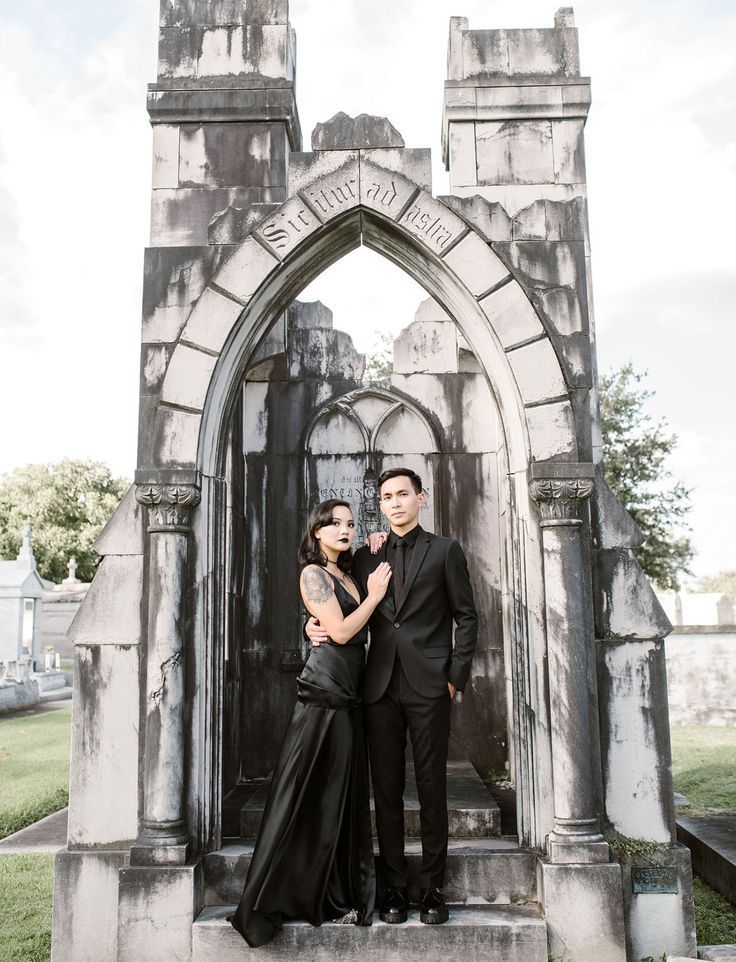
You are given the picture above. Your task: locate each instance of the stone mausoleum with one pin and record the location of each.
(254, 406)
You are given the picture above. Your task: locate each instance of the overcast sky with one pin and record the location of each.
(661, 157)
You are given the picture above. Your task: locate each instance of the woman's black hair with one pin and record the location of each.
(310, 551)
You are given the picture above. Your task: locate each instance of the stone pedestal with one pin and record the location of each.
(156, 908)
(584, 911)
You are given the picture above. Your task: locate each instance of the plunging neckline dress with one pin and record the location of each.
(313, 858)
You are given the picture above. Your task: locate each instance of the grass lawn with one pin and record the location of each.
(34, 767)
(25, 896)
(704, 767)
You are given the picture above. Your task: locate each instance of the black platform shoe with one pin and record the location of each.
(395, 906)
(434, 911)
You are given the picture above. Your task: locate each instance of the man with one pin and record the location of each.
(412, 674)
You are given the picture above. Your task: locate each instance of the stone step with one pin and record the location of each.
(473, 812)
(479, 871)
(513, 933)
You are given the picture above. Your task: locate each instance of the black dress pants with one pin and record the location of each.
(401, 707)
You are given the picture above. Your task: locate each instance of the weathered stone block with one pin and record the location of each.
(188, 377)
(306, 167)
(491, 220)
(175, 439)
(250, 265)
(463, 165)
(173, 281)
(428, 347)
(110, 613)
(155, 360)
(317, 353)
(165, 156)
(124, 533)
(635, 740)
(569, 151)
(180, 218)
(383, 191)
(232, 155)
(537, 372)
(342, 132)
(551, 221)
(286, 228)
(413, 163)
(178, 50)
(232, 225)
(552, 432)
(251, 49)
(309, 314)
(156, 909)
(512, 317)
(626, 606)
(335, 193)
(660, 923)
(515, 152)
(613, 525)
(477, 266)
(583, 906)
(175, 13)
(435, 225)
(85, 906)
(211, 321)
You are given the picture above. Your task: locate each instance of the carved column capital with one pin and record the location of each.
(559, 499)
(169, 506)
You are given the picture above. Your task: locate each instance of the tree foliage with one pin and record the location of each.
(635, 453)
(723, 582)
(379, 362)
(67, 503)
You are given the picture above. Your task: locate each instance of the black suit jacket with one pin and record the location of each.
(437, 591)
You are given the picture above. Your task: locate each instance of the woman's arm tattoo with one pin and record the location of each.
(317, 586)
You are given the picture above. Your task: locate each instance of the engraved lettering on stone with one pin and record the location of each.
(385, 196)
(328, 199)
(433, 228)
(279, 236)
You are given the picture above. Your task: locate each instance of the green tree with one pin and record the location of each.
(635, 453)
(723, 581)
(67, 503)
(379, 361)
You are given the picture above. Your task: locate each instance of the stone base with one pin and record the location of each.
(156, 909)
(562, 851)
(141, 854)
(509, 933)
(584, 910)
(659, 922)
(86, 906)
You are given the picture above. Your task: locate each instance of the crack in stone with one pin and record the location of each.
(157, 694)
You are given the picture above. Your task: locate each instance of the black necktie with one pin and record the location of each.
(399, 571)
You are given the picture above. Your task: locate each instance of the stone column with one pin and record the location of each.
(559, 495)
(163, 839)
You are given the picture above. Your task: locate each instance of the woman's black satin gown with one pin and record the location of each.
(313, 858)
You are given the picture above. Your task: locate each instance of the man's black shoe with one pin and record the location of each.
(433, 908)
(395, 905)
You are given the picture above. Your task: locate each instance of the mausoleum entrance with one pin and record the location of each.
(308, 426)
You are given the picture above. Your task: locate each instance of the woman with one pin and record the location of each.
(314, 856)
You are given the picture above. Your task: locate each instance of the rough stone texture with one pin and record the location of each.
(110, 614)
(718, 953)
(490, 220)
(635, 740)
(492, 871)
(233, 224)
(342, 132)
(660, 922)
(506, 934)
(85, 906)
(626, 605)
(155, 912)
(584, 911)
(104, 759)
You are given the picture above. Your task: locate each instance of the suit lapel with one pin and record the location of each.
(417, 557)
(386, 606)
